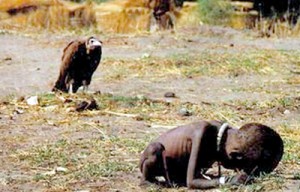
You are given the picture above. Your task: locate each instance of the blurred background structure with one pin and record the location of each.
(127, 16)
(110, 16)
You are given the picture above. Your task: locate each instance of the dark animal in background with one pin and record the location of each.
(79, 61)
(164, 13)
(283, 9)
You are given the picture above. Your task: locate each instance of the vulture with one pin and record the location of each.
(79, 61)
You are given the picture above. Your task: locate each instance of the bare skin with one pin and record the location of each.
(183, 155)
(189, 152)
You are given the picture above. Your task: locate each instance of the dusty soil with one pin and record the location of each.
(29, 65)
(41, 54)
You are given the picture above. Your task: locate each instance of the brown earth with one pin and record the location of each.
(29, 65)
(41, 53)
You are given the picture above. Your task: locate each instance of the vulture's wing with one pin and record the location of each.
(69, 55)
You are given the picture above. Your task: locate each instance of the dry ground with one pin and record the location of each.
(216, 73)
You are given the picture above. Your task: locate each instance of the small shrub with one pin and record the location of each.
(215, 11)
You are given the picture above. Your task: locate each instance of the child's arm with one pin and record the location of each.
(192, 182)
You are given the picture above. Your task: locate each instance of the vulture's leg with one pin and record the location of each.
(70, 88)
(85, 84)
(85, 88)
(75, 87)
(69, 84)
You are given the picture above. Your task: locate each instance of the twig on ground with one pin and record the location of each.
(121, 114)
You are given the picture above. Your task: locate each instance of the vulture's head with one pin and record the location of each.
(92, 43)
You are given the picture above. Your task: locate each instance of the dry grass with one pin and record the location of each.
(230, 64)
(100, 148)
(51, 15)
(129, 17)
(6, 5)
(276, 28)
(114, 16)
(99, 158)
(188, 15)
(134, 16)
(124, 20)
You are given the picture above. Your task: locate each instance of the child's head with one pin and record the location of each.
(254, 148)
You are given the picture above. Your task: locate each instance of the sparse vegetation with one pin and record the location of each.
(105, 152)
(274, 27)
(52, 147)
(231, 64)
(215, 11)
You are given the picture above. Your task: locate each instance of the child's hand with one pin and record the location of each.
(239, 179)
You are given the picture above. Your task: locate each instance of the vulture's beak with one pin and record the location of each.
(96, 43)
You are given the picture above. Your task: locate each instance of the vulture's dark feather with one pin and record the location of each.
(79, 61)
